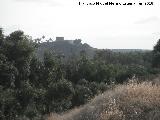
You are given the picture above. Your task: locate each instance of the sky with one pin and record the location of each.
(112, 27)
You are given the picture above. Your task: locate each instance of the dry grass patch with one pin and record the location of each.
(132, 101)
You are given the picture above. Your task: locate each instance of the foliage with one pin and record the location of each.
(31, 87)
(156, 55)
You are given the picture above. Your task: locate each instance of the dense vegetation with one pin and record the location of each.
(31, 88)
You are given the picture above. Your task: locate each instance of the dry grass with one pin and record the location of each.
(132, 101)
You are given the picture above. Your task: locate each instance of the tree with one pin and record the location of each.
(53, 68)
(59, 95)
(36, 73)
(19, 49)
(1, 36)
(8, 73)
(156, 55)
(16, 52)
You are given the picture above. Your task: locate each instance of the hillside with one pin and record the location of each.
(131, 101)
(129, 50)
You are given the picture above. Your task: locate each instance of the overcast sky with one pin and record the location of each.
(100, 26)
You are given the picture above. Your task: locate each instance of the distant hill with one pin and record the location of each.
(67, 48)
(129, 50)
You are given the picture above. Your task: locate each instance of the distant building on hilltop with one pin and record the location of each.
(59, 38)
(76, 41)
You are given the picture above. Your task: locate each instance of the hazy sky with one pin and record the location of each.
(100, 26)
